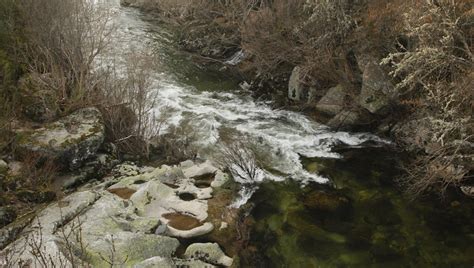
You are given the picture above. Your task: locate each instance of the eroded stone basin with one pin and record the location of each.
(124, 193)
(187, 196)
(181, 221)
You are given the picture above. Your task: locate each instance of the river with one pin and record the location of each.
(325, 198)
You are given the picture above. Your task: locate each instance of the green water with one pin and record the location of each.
(366, 222)
(363, 220)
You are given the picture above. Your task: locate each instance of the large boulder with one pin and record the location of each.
(334, 101)
(378, 92)
(415, 134)
(172, 263)
(69, 141)
(295, 85)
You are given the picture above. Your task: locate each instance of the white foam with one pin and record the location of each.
(284, 135)
(245, 193)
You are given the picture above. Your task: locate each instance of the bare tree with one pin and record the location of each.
(63, 39)
(73, 251)
(435, 74)
(130, 110)
(240, 158)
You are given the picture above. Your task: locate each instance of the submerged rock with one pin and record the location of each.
(329, 202)
(69, 141)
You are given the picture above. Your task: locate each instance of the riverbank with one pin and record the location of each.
(310, 196)
(352, 66)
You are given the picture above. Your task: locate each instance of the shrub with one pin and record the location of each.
(240, 159)
(10, 68)
(178, 143)
(63, 39)
(437, 68)
(382, 24)
(311, 34)
(129, 103)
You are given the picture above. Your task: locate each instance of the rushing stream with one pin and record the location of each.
(301, 221)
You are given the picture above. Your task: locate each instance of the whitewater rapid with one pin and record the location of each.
(284, 135)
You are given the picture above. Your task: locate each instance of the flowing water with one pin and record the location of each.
(301, 221)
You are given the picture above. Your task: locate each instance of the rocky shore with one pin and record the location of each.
(116, 212)
(137, 217)
(360, 89)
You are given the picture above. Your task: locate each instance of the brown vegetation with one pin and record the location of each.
(427, 44)
(128, 103)
(63, 39)
(437, 70)
(48, 69)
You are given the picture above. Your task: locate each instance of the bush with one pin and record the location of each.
(437, 70)
(129, 103)
(177, 144)
(305, 33)
(63, 39)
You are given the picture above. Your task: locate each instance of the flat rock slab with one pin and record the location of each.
(132, 221)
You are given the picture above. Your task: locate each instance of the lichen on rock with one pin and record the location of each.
(132, 221)
(69, 141)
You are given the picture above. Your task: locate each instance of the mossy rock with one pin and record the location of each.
(69, 141)
(389, 216)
